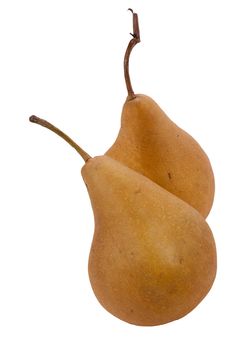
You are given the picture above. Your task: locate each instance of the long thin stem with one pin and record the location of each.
(60, 133)
(133, 42)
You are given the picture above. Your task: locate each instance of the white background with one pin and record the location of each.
(62, 60)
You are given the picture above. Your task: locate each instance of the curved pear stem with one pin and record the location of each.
(60, 133)
(133, 42)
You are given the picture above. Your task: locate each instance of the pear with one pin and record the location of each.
(153, 256)
(150, 143)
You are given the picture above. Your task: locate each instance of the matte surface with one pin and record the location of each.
(153, 256)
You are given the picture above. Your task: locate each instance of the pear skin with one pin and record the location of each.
(151, 144)
(153, 257)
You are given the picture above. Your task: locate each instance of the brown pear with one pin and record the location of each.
(153, 256)
(150, 143)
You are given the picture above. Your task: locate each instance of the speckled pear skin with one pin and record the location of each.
(153, 257)
(150, 143)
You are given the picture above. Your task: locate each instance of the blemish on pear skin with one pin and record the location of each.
(169, 175)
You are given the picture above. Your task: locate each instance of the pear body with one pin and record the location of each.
(150, 143)
(153, 256)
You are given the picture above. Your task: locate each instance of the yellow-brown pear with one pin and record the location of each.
(150, 143)
(153, 256)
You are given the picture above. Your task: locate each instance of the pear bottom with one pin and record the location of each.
(145, 296)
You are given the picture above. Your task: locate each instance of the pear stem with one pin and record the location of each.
(133, 42)
(60, 133)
